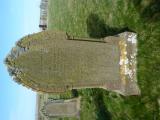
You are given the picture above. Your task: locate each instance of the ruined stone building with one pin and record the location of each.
(43, 14)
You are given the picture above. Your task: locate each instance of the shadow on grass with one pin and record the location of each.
(102, 112)
(149, 10)
(97, 28)
(74, 93)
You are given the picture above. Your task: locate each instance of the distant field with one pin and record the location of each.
(99, 18)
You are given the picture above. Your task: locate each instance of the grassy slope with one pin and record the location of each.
(99, 18)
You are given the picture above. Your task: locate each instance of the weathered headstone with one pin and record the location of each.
(52, 61)
(61, 108)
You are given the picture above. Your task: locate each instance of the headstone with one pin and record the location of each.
(57, 62)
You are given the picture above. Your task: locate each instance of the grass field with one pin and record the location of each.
(99, 18)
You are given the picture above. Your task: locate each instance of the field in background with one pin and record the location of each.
(99, 18)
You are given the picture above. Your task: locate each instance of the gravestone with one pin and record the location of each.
(61, 108)
(53, 61)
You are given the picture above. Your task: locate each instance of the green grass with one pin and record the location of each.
(99, 18)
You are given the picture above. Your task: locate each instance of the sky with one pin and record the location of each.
(17, 19)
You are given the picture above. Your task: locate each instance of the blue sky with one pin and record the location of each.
(17, 18)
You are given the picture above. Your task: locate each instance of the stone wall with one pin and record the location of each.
(43, 14)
